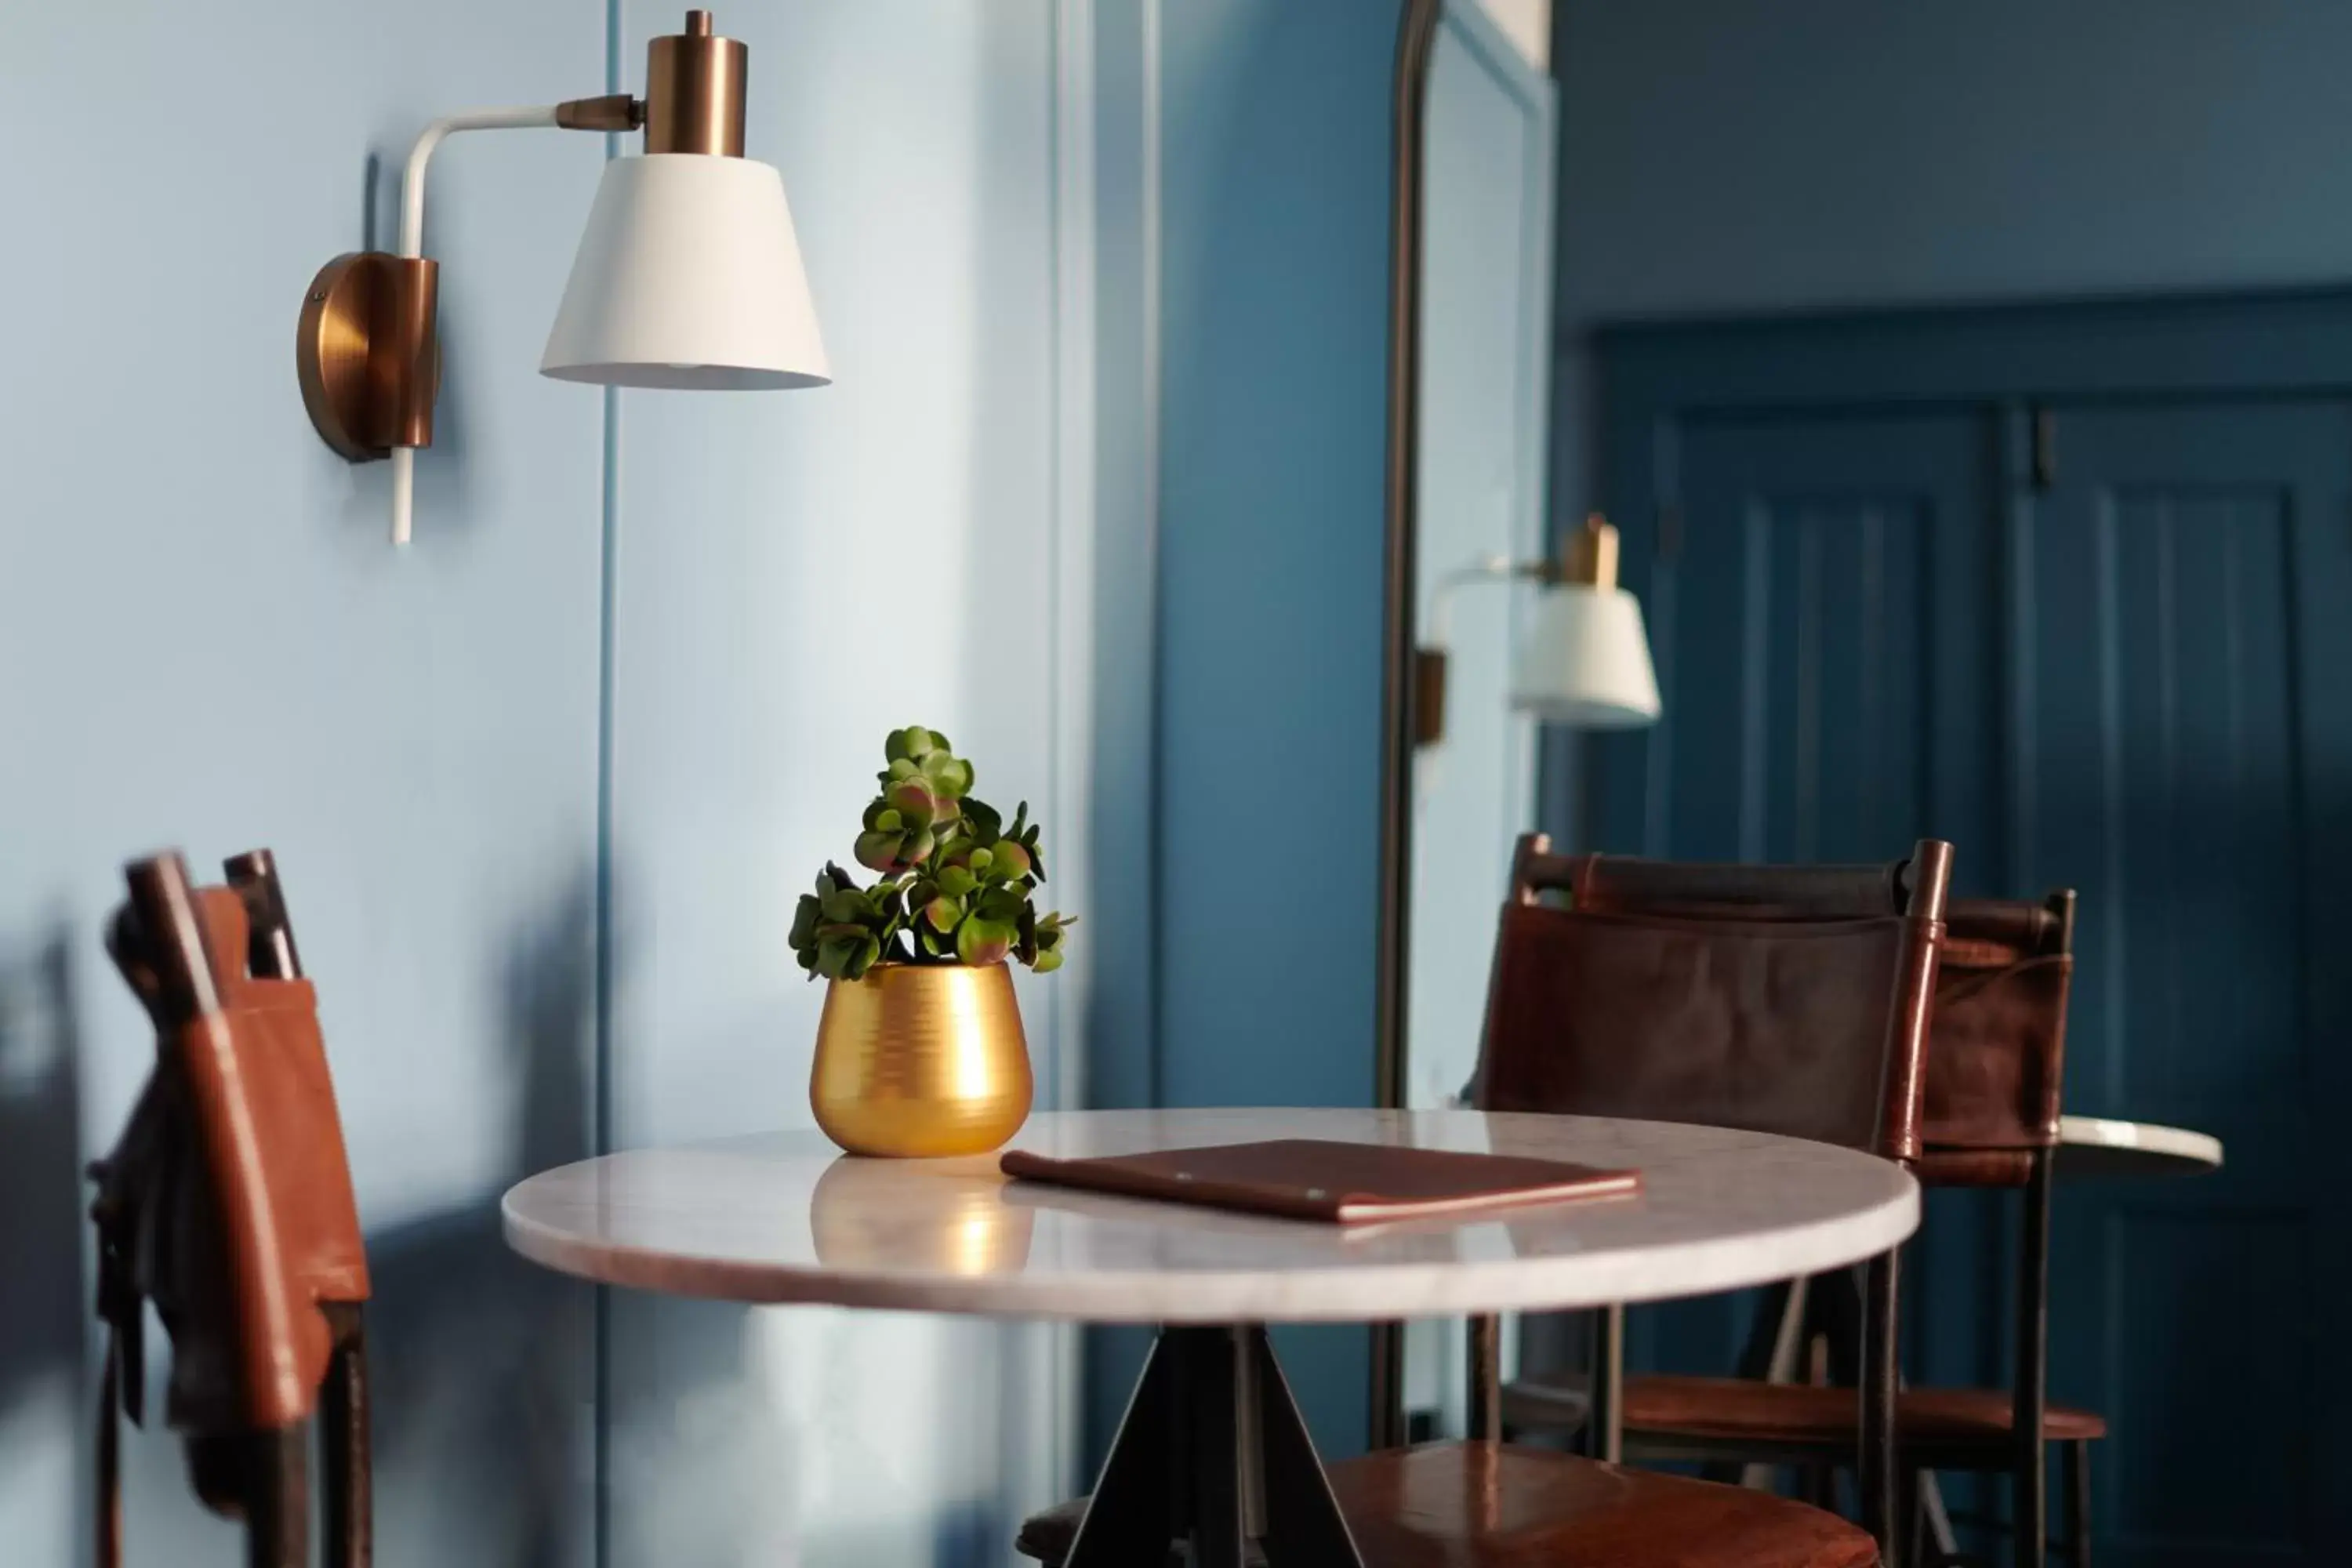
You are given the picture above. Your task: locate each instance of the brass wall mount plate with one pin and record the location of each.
(367, 354)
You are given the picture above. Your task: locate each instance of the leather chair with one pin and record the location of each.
(228, 1202)
(1650, 998)
(1996, 1061)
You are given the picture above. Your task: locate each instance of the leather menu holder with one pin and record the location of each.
(1318, 1179)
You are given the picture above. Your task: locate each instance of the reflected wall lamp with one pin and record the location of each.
(687, 275)
(1584, 661)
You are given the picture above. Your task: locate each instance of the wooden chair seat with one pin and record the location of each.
(1661, 1409)
(1489, 1505)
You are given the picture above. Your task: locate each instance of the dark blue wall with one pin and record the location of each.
(1719, 156)
(1270, 326)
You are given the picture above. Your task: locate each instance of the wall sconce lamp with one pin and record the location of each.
(689, 274)
(1585, 661)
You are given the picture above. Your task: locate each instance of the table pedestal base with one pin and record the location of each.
(1213, 1452)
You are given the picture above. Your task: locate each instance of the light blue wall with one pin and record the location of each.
(797, 574)
(421, 741)
(206, 641)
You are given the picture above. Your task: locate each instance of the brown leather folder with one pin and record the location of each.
(1318, 1179)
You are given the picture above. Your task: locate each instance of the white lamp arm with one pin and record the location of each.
(1485, 569)
(411, 244)
(420, 154)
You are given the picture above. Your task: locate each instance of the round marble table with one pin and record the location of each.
(785, 1217)
(2095, 1146)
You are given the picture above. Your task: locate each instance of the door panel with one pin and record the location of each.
(2176, 589)
(1814, 606)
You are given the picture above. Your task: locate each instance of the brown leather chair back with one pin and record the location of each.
(228, 1204)
(1997, 1045)
(1779, 999)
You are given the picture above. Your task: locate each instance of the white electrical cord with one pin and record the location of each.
(411, 244)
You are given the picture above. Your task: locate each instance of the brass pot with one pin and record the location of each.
(921, 1060)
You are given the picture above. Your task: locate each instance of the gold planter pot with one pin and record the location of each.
(921, 1060)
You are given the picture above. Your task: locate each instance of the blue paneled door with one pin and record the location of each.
(2181, 693)
(1816, 602)
(2126, 667)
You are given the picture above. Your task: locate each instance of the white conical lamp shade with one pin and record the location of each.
(687, 276)
(1586, 660)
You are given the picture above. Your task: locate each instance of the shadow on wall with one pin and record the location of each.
(483, 1364)
(44, 1320)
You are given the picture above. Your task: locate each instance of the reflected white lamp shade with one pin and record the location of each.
(1586, 660)
(687, 276)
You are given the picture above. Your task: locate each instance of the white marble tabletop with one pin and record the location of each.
(2095, 1146)
(786, 1218)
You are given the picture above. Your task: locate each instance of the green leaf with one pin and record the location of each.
(980, 860)
(1046, 962)
(913, 798)
(956, 882)
(982, 942)
(1001, 904)
(1009, 859)
(949, 774)
(943, 913)
(908, 744)
(987, 825)
(805, 914)
(861, 959)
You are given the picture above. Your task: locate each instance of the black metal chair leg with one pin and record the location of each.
(1604, 1422)
(277, 1499)
(343, 1441)
(2030, 1501)
(1875, 1472)
(2078, 1504)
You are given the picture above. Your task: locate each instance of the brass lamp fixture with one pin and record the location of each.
(1585, 660)
(689, 274)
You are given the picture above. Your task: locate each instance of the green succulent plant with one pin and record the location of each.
(955, 883)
